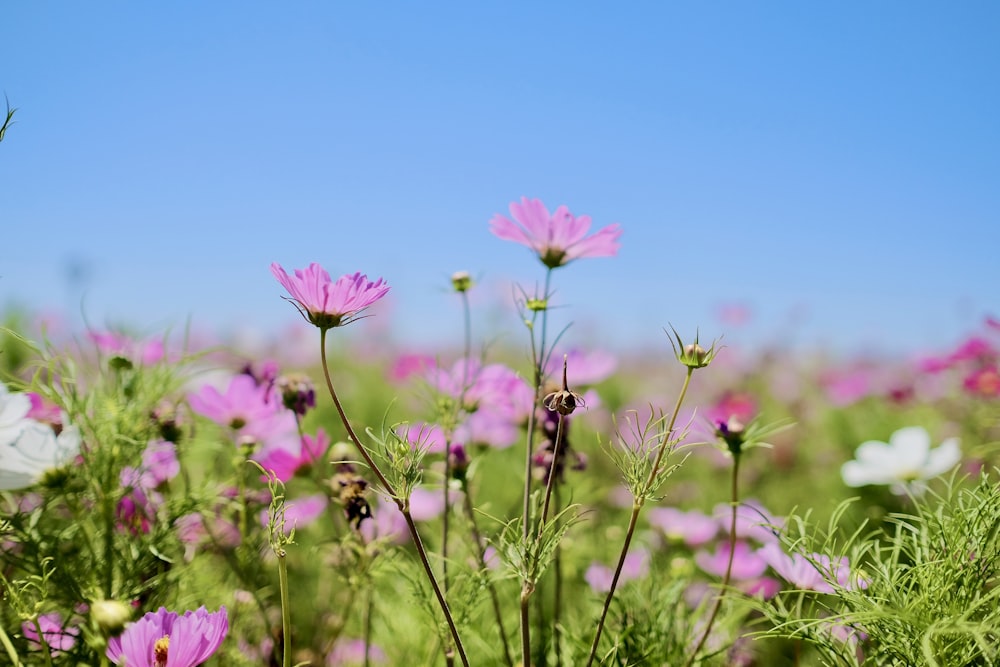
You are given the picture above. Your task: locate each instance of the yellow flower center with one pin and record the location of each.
(160, 651)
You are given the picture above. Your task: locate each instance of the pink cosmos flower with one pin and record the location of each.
(747, 563)
(325, 303)
(58, 637)
(636, 566)
(693, 528)
(166, 639)
(285, 463)
(117, 344)
(818, 572)
(355, 652)
(558, 238)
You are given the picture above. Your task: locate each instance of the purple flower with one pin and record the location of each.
(117, 344)
(284, 463)
(558, 238)
(325, 303)
(165, 639)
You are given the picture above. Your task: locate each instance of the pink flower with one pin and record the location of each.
(355, 652)
(747, 564)
(818, 572)
(253, 411)
(693, 528)
(165, 639)
(558, 238)
(325, 303)
(285, 463)
(117, 344)
(599, 576)
(57, 636)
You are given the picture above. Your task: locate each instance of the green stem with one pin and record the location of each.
(286, 611)
(734, 499)
(9, 646)
(491, 585)
(637, 504)
(367, 624)
(401, 503)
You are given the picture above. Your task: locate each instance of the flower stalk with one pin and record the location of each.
(401, 503)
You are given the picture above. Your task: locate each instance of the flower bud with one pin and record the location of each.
(733, 432)
(461, 281)
(110, 616)
(298, 393)
(692, 355)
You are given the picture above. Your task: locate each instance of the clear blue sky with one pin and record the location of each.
(836, 164)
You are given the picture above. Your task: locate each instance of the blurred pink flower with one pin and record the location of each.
(57, 636)
(599, 576)
(300, 512)
(747, 563)
(693, 528)
(352, 652)
(117, 344)
(558, 238)
(817, 573)
(583, 367)
(753, 521)
(983, 382)
(169, 639)
(284, 463)
(325, 303)
(410, 364)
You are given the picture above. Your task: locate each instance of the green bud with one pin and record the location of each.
(110, 616)
(461, 281)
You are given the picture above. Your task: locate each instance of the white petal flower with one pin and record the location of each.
(13, 410)
(37, 450)
(904, 462)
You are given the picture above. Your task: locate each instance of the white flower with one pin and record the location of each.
(904, 462)
(28, 448)
(13, 410)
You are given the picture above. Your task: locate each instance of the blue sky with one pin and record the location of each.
(833, 166)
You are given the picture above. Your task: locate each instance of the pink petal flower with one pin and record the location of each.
(325, 303)
(166, 638)
(558, 238)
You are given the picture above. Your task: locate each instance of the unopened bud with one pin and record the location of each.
(298, 393)
(732, 431)
(461, 281)
(110, 616)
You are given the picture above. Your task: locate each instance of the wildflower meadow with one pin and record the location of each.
(336, 498)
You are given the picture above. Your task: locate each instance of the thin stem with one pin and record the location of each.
(401, 503)
(367, 622)
(491, 585)
(286, 611)
(557, 603)
(637, 504)
(734, 500)
(553, 467)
